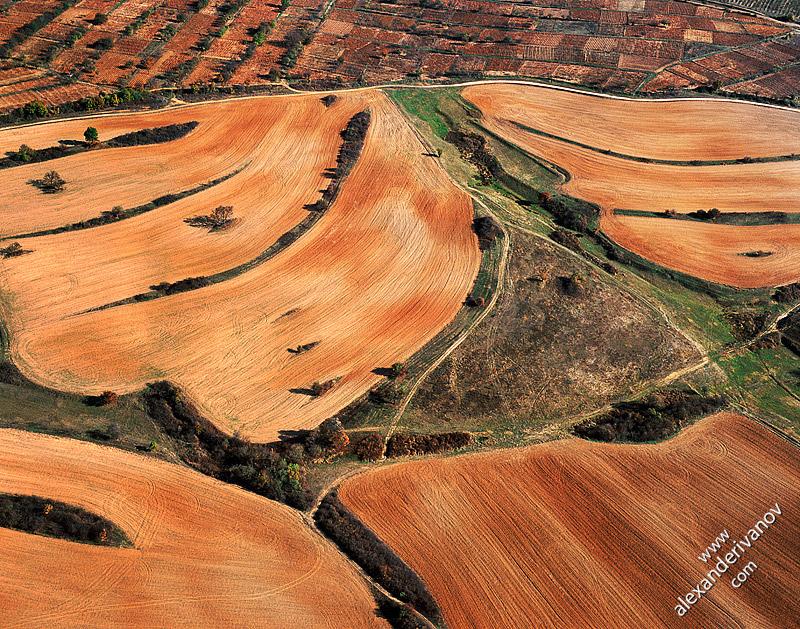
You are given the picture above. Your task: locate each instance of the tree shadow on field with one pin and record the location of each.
(303, 391)
(383, 371)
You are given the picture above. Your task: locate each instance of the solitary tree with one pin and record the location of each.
(91, 135)
(52, 182)
(25, 153)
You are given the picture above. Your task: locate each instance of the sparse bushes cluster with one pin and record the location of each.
(653, 418)
(220, 218)
(488, 230)
(375, 557)
(126, 96)
(414, 444)
(262, 468)
(787, 294)
(294, 42)
(472, 147)
(41, 516)
(575, 214)
(370, 447)
(13, 250)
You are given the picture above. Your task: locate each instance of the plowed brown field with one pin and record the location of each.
(678, 130)
(664, 129)
(572, 533)
(205, 554)
(713, 252)
(387, 266)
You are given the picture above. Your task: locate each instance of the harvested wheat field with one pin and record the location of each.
(75, 271)
(573, 533)
(226, 136)
(205, 554)
(663, 129)
(386, 267)
(674, 130)
(713, 252)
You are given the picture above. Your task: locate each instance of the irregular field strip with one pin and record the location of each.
(667, 131)
(193, 562)
(385, 269)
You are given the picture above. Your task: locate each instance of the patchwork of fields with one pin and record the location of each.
(674, 158)
(278, 291)
(380, 273)
(652, 46)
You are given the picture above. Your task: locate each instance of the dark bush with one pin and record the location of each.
(571, 285)
(51, 182)
(104, 43)
(262, 468)
(376, 558)
(370, 447)
(156, 135)
(327, 440)
(570, 212)
(41, 516)
(329, 99)
(13, 250)
(488, 230)
(787, 294)
(321, 388)
(706, 215)
(220, 218)
(190, 283)
(106, 398)
(656, 417)
(412, 444)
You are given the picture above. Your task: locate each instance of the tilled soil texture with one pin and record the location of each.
(386, 267)
(205, 554)
(684, 131)
(574, 533)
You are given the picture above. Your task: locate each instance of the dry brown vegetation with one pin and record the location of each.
(382, 271)
(682, 131)
(574, 533)
(540, 356)
(204, 553)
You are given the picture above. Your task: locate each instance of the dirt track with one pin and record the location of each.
(387, 267)
(579, 534)
(206, 554)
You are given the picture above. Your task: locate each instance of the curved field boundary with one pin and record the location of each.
(51, 518)
(205, 553)
(585, 534)
(109, 217)
(384, 270)
(143, 137)
(348, 155)
(668, 162)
